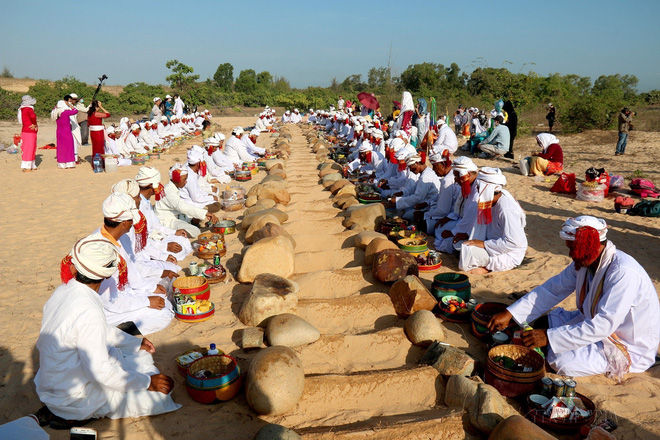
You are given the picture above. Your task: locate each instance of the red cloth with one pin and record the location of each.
(97, 137)
(553, 154)
(29, 118)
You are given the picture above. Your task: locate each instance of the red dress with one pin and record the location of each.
(96, 132)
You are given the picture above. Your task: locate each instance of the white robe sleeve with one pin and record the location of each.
(180, 206)
(469, 218)
(191, 191)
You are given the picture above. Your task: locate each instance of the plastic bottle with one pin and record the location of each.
(97, 162)
(212, 350)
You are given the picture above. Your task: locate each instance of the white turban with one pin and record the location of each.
(110, 129)
(378, 134)
(148, 176)
(126, 186)
(212, 141)
(95, 257)
(438, 157)
(490, 181)
(358, 128)
(492, 176)
(183, 171)
(403, 153)
(237, 130)
(440, 121)
(464, 165)
(163, 119)
(194, 156)
(573, 224)
(365, 147)
(120, 207)
(255, 132)
(220, 137)
(396, 144)
(413, 159)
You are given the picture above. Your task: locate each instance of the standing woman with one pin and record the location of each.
(28, 119)
(512, 123)
(95, 116)
(66, 154)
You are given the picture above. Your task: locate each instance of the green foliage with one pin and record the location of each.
(135, 98)
(183, 81)
(652, 97)
(246, 82)
(224, 77)
(9, 103)
(6, 73)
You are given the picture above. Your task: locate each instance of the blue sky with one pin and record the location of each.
(310, 42)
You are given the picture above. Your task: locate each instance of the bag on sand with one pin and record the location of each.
(565, 184)
(644, 188)
(646, 208)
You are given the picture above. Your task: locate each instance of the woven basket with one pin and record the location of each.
(206, 237)
(196, 287)
(199, 317)
(514, 383)
(565, 426)
(208, 255)
(183, 369)
(223, 387)
(481, 316)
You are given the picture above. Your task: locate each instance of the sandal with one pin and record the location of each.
(61, 424)
(44, 416)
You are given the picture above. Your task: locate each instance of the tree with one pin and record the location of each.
(224, 77)
(246, 81)
(6, 73)
(353, 83)
(264, 78)
(422, 76)
(182, 80)
(378, 78)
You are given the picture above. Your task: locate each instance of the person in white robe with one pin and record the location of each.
(504, 245)
(286, 117)
(424, 194)
(171, 208)
(250, 144)
(153, 132)
(218, 173)
(295, 117)
(132, 142)
(405, 180)
(261, 123)
(111, 147)
(178, 106)
(141, 296)
(163, 129)
(144, 137)
(459, 220)
(368, 161)
(615, 329)
(446, 139)
(447, 193)
(156, 112)
(222, 162)
(196, 191)
(87, 367)
(234, 148)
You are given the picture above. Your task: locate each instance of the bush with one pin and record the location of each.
(9, 103)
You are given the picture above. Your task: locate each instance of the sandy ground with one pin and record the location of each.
(361, 381)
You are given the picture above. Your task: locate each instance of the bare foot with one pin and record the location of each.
(478, 271)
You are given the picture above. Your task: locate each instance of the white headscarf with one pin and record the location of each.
(413, 159)
(237, 130)
(365, 147)
(545, 140)
(407, 102)
(397, 144)
(490, 180)
(126, 186)
(464, 165)
(27, 101)
(572, 224)
(148, 176)
(438, 157)
(183, 171)
(95, 257)
(120, 207)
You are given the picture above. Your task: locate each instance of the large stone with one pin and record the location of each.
(274, 381)
(485, 405)
(369, 217)
(273, 178)
(392, 265)
(252, 337)
(362, 239)
(377, 245)
(454, 362)
(516, 427)
(331, 164)
(327, 170)
(278, 195)
(251, 201)
(272, 230)
(422, 328)
(270, 295)
(270, 255)
(410, 295)
(261, 205)
(276, 432)
(339, 184)
(270, 163)
(248, 219)
(329, 179)
(346, 190)
(347, 201)
(290, 330)
(258, 224)
(277, 172)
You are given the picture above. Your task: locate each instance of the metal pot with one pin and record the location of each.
(224, 227)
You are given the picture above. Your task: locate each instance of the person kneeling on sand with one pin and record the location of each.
(615, 329)
(503, 221)
(198, 191)
(171, 206)
(550, 160)
(87, 368)
(497, 144)
(423, 195)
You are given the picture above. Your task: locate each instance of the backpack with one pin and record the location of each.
(646, 208)
(644, 188)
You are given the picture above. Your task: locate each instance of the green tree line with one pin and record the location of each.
(582, 103)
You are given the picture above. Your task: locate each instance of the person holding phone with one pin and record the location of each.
(89, 369)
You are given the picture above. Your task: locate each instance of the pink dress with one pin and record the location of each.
(29, 138)
(66, 156)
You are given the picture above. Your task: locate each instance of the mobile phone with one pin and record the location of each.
(82, 434)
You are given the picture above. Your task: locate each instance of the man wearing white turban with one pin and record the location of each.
(458, 225)
(234, 148)
(171, 207)
(112, 146)
(446, 139)
(505, 243)
(250, 144)
(196, 192)
(615, 329)
(132, 142)
(424, 194)
(89, 368)
(447, 193)
(163, 129)
(139, 296)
